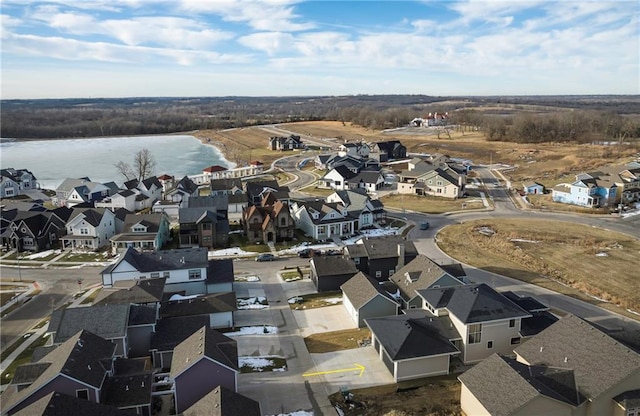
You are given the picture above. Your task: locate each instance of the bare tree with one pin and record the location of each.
(143, 166)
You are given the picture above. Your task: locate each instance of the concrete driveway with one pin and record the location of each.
(327, 319)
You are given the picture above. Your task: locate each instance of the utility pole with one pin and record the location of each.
(19, 271)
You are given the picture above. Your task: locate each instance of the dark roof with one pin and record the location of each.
(360, 289)
(126, 366)
(201, 305)
(527, 303)
(406, 336)
(28, 373)
(503, 385)
(456, 270)
(219, 202)
(237, 198)
(599, 361)
(133, 291)
(172, 331)
(536, 323)
(91, 215)
(128, 390)
(345, 172)
(333, 266)
(387, 246)
(225, 184)
(106, 321)
(163, 260)
(152, 181)
(205, 342)
(224, 402)
(151, 221)
(473, 303)
(254, 188)
(366, 176)
(40, 352)
(197, 215)
(59, 404)
(121, 213)
(142, 315)
(220, 271)
(629, 399)
(187, 185)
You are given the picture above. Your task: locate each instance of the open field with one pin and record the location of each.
(430, 204)
(336, 340)
(584, 262)
(434, 396)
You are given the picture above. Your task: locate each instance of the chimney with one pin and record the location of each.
(400, 255)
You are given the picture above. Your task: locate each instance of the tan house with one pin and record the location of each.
(570, 368)
(268, 223)
(439, 181)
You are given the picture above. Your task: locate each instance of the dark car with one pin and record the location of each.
(333, 253)
(424, 225)
(307, 252)
(266, 257)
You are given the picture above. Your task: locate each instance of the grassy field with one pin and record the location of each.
(580, 261)
(337, 340)
(317, 300)
(433, 396)
(430, 204)
(23, 358)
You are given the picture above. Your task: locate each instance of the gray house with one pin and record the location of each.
(205, 360)
(58, 404)
(222, 401)
(169, 333)
(14, 182)
(364, 298)
(381, 257)
(218, 307)
(329, 273)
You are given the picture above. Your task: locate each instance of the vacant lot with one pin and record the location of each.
(337, 340)
(586, 260)
(430, 204)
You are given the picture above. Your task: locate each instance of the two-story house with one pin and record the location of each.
(356, 149)
(143, 232)
(203, 222)
(323, 220)
(177, 197)
(388, 150)
(269, 222)
(381, 257)
(368, 211)
(435, 180)
(292, 142)
(14, 182)
(33, 230)
(78, 191)
(89, 229)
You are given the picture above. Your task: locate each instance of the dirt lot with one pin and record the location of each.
(435, 396)
(586, 260)
(430, 204)
(337, 340)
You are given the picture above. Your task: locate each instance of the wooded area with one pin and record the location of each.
(531, 119)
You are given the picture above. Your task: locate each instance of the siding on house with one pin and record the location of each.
(198, 380)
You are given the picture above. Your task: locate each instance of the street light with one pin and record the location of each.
(19, 272)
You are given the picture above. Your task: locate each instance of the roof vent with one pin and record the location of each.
(88, 366)
(566, 359)
(126, 387)
(142, 384)
(541, 348)
(80, 343)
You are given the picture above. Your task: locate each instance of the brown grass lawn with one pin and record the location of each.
(432, 396)
(553, 250)
(545, 202)
(430, 204)
(346, 339)
(317, 300)
(314, 191)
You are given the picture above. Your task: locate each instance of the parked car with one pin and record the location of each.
(333, 253)
(424, 225)
(266, 257)
(308, 252)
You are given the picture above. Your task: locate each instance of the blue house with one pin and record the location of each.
(533, 188)
(593, 189)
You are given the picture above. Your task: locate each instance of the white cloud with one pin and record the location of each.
(269, 42)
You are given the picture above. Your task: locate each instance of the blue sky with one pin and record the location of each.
(124, 48)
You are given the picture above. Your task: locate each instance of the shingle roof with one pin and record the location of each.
(151, 221)
(201, 305)
(473, 303)
(205, 342)
(333, 266)
(58, 404)
(142, 315)
(527, 303)
(28, 373)
(538, 322)
(133, 291)
(387, 246)
(162, 260)
(406, 336)
(598, 360)
(503, 385)
(224, 402)
(91, 215)
(106, 321)
(220, 271)
(360, 289)
(422, 272)
(629, 399)
(128, 390)
(172, 331)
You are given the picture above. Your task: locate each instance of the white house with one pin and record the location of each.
(15, 181)
(322, 220)
(89, 229)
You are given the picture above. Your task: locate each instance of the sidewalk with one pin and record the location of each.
(35, 335)
(77, 303)
(32, 288)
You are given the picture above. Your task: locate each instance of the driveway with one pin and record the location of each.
(327, 319)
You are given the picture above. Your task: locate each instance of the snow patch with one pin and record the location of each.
(522, 240)
(182, 297)
(333, 300)
(602, 254)
(295, 299)
(297, 413)
(41, 254)
(233, 251)
(254, 330)
(257, 302)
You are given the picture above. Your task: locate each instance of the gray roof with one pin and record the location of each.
(629, 399)
(407, 336)
(599, 361)
(225, 184)
(366, 176)
(106, 321)
(224, 402)
(360, 289)
(219, 202)
(163, 260)
(205, 342)
(201, 305)
(128, 390)
(58, 404)
(151, 221)
(538, 322)
(142, 315)
(387, 246)
(91, 215)
(333, 266)
(172, 331)
(220, 271)
(197, 215)
(28, 373)
(503, 385)
(527, 303)
(473, 303)
(132, 291)
(418, 274)
(240, 198)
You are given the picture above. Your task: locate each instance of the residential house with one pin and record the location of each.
(381, 257)
(204, 223)
(419, 274)
(533, 188)
(218, 307)
(73, 191)
(169, 333)
(218, 172)
(269, 222)
(150, 187)
(435, 181)
(320, 161)
(331, 272)
(78, 367)
(58, 404)
(126, 199)
(570, 368)
(412, 345)
(177, 197)
(591, 189)
(363, 297)
(358, 204)
(337, 178)
(356, 149)
(89, 229)
(130, 391)
(202, 362)
(220, 276)
(369, 180)
(185, 269)
(322, 220)
(226, 186)
(292, 142)
(143, 232)
(32, 230)
(486, 321)
(388, 150)
(222, 401)
(138, 292)
(14, 182)
(256, 190)
(167, 182)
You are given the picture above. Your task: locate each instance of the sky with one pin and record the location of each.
(186, 48)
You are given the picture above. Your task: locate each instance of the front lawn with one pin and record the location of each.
(316, 300)
(346, 339)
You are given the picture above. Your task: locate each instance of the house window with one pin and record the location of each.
(512, 323)
(82, 394)
(489, 344)
(153, 275)
(194, 274)
(515, 341)
(378, 273)
(283, 221)
(27, 241)
(391, 272)
(138, 229)
(8, 192)
(206, 226)
(475, 333)
(429, 181)
(356, 260)
(439, 183)
(84, 231)
(166, 274)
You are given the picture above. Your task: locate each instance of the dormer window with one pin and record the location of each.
(139, 229)
(411, 277)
